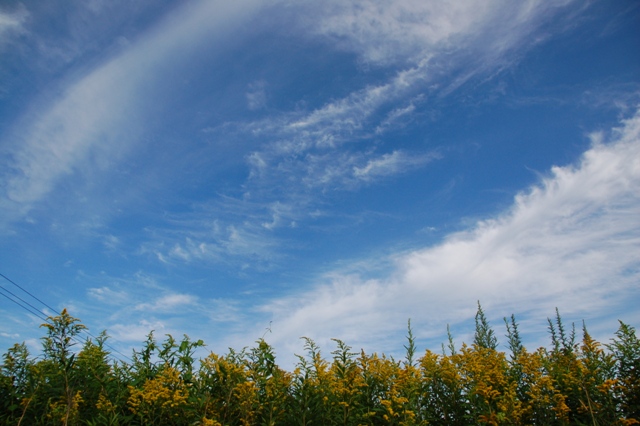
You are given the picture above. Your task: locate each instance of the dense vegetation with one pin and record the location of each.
(571, 382)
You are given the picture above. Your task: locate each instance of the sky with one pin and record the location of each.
(285, 168)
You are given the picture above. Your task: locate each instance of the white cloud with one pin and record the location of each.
(111, 242)
(224, 311)
(409, 30)
(136, 332)
(310, 150)
(343, 117)
(126, 310)
(570, 242)
(256, 95)
(390, 164)
(394, 117)
(12, 23)
(281, 215)
(199, 238)
(99, 118)
(436, 45)
(385, 31)
(167, 303)
(108, 295)
(310, 153)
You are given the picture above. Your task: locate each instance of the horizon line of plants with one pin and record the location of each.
(571, 383)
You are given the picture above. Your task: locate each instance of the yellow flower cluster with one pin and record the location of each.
(65, 410)
(161, 397)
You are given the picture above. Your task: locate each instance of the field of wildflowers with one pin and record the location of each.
(576, 381)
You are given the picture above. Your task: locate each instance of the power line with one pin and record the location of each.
(41, 315)
(35, 311)
(32, 309)
(21, 288)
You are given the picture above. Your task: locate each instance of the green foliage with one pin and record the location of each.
(410, 347)
(625, 349)
(570, 383)
(484, 336)
(311, 387)
(16, 382)
(94, 372)
(514, 341)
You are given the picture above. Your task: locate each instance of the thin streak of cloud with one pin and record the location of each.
(12, 24)
(135, 332)
(100, 115)
(66, 133)
(168, 303)
(394, 117)
(108, 295)
(347, 115)
(390, 164)
(256, 95)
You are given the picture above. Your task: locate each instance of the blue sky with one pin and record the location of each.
(229, 170)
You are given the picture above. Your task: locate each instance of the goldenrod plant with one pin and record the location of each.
(572, 382)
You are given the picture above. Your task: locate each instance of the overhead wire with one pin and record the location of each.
(30, 308)
(35, 311)
(23, 289)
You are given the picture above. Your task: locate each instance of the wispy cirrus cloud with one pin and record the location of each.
(345, 116)
(56, 144)
(225, 231)
(135, 333)
(168, 302)
(323, 148)
(223, 245)
(12, 23)
(390, 164)
(436, 45)
(109, 295)
(409, 30)
(385, 32)
(99, 118)
(247, 231)
(132, 307)
(256, 95)
(569, 242)
(333, 147)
